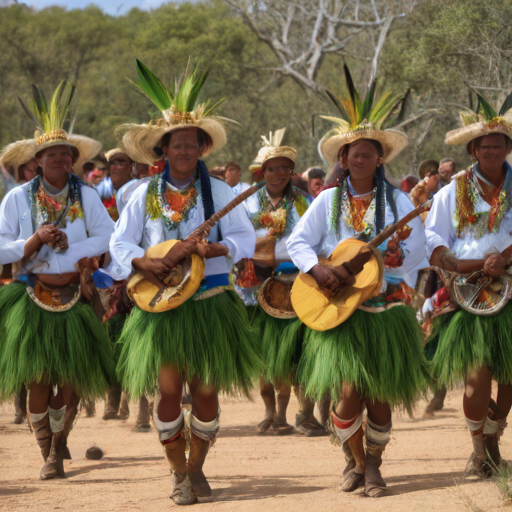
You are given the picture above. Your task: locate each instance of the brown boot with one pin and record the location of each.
(54, 465)
(43, 435)
(280, 425)
(198, 451)
(269, 399)
(305, 421)
(20, 406)
(182, 492)
(124, 410)
(437, 402)
(71, 412)
(349, 459)
(478, 463)
(112, 403)
(355, 477)
(492, 447)
(143, 424)
(377, 438)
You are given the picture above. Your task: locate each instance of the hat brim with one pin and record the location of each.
(463, 136)
(16, 154)
(392, 141)
(139, 141)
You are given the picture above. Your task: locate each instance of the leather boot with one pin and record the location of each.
(355, 477)
(269, 399)
(112, 403)
(143, 424)
(492, 447)
(349, 459)
(124, 411)
(71, 412)
(20, 406)
(374, 485)
(43, 435)
(182, 491)
(281, 426)
(54, 465)
(437, 402)
(478, 463)
(305, 421)
(198, 451)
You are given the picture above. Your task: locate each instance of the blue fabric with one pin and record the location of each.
(210, 282)
(102, 280)
(287, 267)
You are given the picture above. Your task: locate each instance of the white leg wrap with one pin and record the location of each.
(377, 434)
(205, 430)
(38, 416)
(57, 417)
(473, 426)
(344, 434)
(491, 427)
(168, 429)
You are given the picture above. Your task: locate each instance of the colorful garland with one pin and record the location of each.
(480, 223)
(47, 209)
(172, 206)
(356, 212)
(275, 219)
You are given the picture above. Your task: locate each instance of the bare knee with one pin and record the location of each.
(170, 383)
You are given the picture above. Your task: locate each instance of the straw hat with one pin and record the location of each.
(361, 119)
(320, 313)
(16, 154)
(271, 148)
(179, 110)
(483, 121)
(111, 152)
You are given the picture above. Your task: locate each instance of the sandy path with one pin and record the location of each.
(423, 467)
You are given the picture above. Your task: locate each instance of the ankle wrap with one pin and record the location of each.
(168, 430)
(57, 418)
(205, 430)
(345, 429)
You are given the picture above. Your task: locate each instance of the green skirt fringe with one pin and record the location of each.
(115, 327)
(71, 347)
(380, 354)
(210, 338)
(467, 342)
(280, 345)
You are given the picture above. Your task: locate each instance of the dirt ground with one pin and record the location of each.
(423, 466)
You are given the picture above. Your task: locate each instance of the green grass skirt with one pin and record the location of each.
(210, 338)
(280, 344)
(115, 327)
(380, 354)
(467, 342)
(71, 347)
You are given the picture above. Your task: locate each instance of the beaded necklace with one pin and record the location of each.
(275, 219)
(468, 191)
(172, 206)
(46, 209)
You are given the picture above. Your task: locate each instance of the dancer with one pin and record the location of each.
(468, 232)
(50, 337)
(373, 360)
(207, 340)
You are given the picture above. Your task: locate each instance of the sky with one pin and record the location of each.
(113, 7)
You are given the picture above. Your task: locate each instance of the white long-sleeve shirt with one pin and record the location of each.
(314, 237)
(87, 237)
(441, 227)
(135, 232)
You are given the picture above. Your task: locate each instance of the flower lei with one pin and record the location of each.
(275, 219)
(480, 223)
(47, 209)
(357, 213)
(172, 206)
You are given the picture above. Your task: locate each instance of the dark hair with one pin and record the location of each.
(376, 143)
(204, 141)
(447, 160)
(475, 143)
(428, 168)
(316, 173)
(408, 183)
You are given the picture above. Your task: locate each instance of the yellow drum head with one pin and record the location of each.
(142, 291)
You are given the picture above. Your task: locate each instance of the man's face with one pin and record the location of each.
(315, 186)
(362, 160)
(278, 173)
(232, 175)
(446, 171)
(56, 161)
(492, 151)
(120, 169)
(183, 152)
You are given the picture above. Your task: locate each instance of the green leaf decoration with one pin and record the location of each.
(488, 111)
(507, 105)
